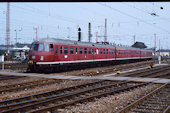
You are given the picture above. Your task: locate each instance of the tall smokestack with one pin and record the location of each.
(89, 32)
(79, 34)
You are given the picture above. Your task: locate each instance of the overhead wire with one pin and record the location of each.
(117, 10)
(146, 11)
(72, 20)
(135, 7)
(139, 20)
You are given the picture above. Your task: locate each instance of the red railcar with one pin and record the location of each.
(51, 53)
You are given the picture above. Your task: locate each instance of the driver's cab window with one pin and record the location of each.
(51, 47)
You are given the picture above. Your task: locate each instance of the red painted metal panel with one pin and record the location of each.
(61, 52)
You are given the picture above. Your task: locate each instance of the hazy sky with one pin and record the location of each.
(61, 20)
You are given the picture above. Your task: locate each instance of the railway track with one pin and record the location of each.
(149, 72)
(68, 96)
(156, 101)
(50, 92)
(27, 85)
(123, 67)
(53, 100)
(2, 77)
(15, 66)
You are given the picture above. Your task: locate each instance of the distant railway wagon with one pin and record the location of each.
(54, 54)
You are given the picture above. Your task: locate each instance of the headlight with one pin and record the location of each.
(42, 58)
(30, 62)
(33, 57)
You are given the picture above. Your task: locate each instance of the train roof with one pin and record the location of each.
(90, 44)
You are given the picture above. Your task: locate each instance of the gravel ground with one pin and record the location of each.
(63, 84)
(111, 103)
(19, 80)
(99, 70)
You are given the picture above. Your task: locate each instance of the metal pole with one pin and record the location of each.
(155, 49)
(16, 35)
(159, 47)
(36, 34)
(89, 34)
(105, 34)
(2, 62)
(96, 37)
(8, 31)
(2, 66)
(155, 45)
(159, 54)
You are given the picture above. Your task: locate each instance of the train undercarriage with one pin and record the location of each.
(54, 68)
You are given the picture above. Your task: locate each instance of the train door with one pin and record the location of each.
(72, 54)
(81, 54)
(85, 53)
(107, 53)
(50, 49)
(60, 53)
(115, 53)
(56, 53)
(76, 53)
(92, 51)
(97, 54)
(90, 55)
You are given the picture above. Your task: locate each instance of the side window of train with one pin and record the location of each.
(41, 47)
(46, 47)
(56, 49)
(81, 50)
(100, 51)
(92, 51)
(36, 47)
(85, 50)
(107, 51)
(51, 47)
(89, 51)
(31, 47)
(71, 50)
(61, 50)
(65, 50)
(76, 50)
(104, 51)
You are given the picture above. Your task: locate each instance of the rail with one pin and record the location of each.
(123, 110)
(167, 109)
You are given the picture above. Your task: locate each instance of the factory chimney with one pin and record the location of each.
(79, 34)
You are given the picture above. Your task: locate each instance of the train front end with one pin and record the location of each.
(40, 55)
